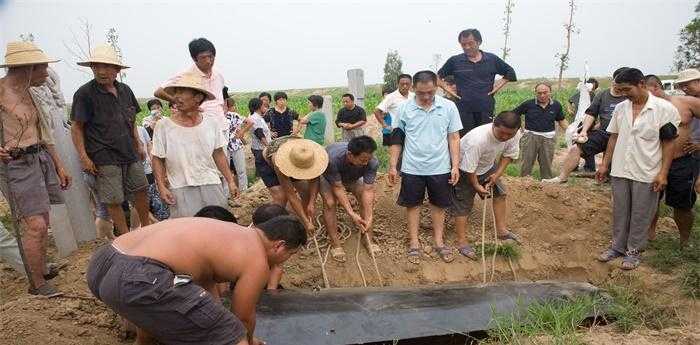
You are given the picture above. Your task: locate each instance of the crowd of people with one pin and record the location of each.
(166, 277)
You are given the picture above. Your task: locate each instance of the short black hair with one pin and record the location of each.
(285, 228)
(266, 212)
(201, 45)
(362, 144)
(224, 92)
(404, 75)
(618, 71)
(254, 105)
(280, 94)
(153, 102)
(449, 79)
(630, 76)
(349, 95)
(316, 100)
(265, 94)
(425, 76)
(230, 101)
(470, 32)
(653, 77)
(216, 212)
(593, 81)
(507, 119)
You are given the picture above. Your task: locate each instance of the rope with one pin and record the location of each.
(495, 236)
(357, 258)
(483, 243)
(374, 260)
(323, 264)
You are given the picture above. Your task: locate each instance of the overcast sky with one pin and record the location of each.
(268, 45)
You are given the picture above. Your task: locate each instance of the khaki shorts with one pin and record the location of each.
(351, 187)
(114, 181)
(34, 184)
(465, 192)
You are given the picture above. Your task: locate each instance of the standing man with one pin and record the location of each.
(32, 173)
(280, 117)
(315, 121)
(572, 108)
(385, 113)
(105, 135)
(479, 174)
(474, 72)
(538, 141)
(352, 167)
(189, 153)
(591, 141)
(351, 118)
(683, 173)
(203, 53)
(643, 132)
(428, 131)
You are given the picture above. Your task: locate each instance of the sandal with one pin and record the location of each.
(338, 254)
(509, 236)
(413, 255)
(609, 255)
(467, 251)
(631, 261)
(445, 253)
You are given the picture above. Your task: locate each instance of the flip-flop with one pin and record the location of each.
(509, 236)
(445, 253)
(413, 255)
(338, 254)
(468, 251)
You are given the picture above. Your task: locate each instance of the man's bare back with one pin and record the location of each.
(688, 108)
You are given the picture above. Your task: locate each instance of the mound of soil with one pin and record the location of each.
(562, 229)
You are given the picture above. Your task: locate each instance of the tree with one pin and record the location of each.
(80, 45)
(113, 40)
(570, 29)
(28, 37)
(688, 52)
(392, 69)
(506, 27)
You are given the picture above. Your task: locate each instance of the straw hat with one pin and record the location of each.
(190, 81)
(105, 54)
(687, 75)
(302, 159)
(24, 54)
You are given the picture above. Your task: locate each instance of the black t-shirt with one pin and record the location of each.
(602, 107)
(538, 119)
(282, 123)
(352, 116)
(108, 122)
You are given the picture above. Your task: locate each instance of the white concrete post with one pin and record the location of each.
(327, 109)
(356, 85)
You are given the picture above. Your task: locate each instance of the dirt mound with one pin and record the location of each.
(562, 228)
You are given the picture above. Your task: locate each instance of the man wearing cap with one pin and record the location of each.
(188, 153)
(106, 138)
(32, 173)
(688, 81)
(428, 131)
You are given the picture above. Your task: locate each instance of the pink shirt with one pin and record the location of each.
(213, 83)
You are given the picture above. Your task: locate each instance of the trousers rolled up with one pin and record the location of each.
(536, 147)
(634, 206)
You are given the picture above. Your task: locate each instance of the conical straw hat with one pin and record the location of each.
(105, 54)
(24, 54)
(190, 81)
(302, 159)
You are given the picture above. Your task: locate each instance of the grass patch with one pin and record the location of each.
(513, 170)
(690, 280)
(506, 250)
(634, 306)
(558, 319)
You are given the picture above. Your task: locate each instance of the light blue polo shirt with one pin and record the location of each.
(425, 150)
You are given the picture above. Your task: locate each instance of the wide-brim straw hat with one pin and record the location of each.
(190, 81)
(687, 75)
(105, 54)
(25, 54)
(302, 159)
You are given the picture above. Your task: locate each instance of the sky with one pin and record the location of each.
(271, 45)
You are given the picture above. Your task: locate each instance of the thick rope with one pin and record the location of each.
(323, 264)
(357, 258)
(374, 260)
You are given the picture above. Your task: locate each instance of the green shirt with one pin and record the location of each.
(316, 128)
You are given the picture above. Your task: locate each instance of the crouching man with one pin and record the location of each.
(163, 278)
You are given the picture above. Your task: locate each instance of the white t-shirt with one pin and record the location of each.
(145, 140)
(637, 154)
(479, 149)
(259, 123)
(391, 103)
(188, 151)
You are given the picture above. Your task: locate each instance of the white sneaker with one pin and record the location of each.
(553, 180)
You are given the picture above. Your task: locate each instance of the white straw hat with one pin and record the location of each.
(105, 54)
(190, 81)
(302, 159)
(24, 54)
(687, 75)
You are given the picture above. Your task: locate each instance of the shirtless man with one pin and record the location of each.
(684, 167)
(163, 277)
(31, 171)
